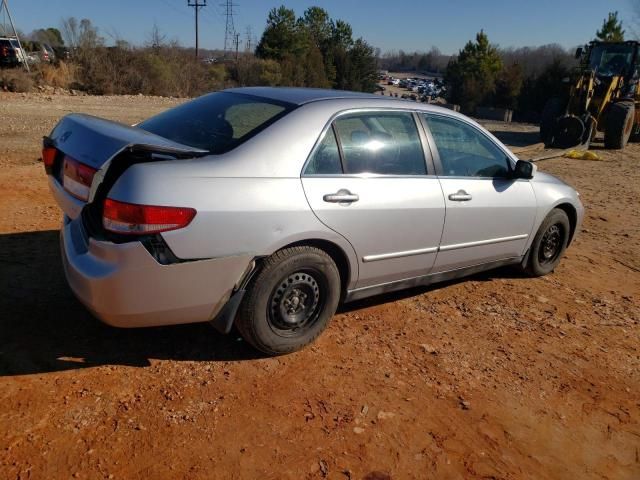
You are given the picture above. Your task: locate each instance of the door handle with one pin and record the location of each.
(341, 196)
(460, 196)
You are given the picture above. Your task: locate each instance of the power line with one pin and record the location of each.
(196, 6)
(174, 8)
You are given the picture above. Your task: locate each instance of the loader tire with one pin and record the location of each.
(619, 125)
(553, 109)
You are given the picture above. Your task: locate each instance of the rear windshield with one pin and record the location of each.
(217, 122)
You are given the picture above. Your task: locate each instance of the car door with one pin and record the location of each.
(367, 179)
(489, 216)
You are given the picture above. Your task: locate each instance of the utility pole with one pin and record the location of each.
(4, 7)
(197, 6)
(229, 29)
(237, 40)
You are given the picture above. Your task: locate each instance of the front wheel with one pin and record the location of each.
(290, 301)
(549, 244)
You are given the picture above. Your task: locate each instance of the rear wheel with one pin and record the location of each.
(549, 244)
(290, 301)
(553, 109)
(619, 125)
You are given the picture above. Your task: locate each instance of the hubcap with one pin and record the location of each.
(550, 244)
(294, 303)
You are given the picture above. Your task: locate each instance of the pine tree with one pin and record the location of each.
(472, 76)
(611, 30)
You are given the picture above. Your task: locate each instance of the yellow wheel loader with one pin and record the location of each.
(603, 97)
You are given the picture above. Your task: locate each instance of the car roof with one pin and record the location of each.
(300, 96)
(340, 99)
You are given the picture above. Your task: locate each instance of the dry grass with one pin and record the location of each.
(62, 75)
(16, 80)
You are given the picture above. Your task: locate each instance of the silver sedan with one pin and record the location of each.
(267, 207)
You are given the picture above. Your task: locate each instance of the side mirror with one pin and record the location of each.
(579, 51)
(524, 169)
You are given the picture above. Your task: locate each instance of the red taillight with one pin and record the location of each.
(129, 218)
(48, 157)
(77, 178)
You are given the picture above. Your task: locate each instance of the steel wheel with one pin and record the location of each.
(550, 245)
(295, 303)
(290, 301)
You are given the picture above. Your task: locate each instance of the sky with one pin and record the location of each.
(388, 25)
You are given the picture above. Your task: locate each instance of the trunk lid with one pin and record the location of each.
(94, 141)
(107, 147)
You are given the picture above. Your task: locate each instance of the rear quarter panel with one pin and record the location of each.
(237, 216)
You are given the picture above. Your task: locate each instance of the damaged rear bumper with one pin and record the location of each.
(124, 286)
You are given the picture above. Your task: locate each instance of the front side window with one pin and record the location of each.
(217, 122)
(385, 143)
(465, 151)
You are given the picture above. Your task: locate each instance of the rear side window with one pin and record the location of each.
(218, 122)
(326, 158)
(385, 143)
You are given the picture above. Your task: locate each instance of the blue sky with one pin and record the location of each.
(389, 25)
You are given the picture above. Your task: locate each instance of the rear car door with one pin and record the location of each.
(367, 179)
(489, 215)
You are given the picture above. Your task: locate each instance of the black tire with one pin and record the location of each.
(619, 125)
(549, 244)
(290, 301)
(553, 109)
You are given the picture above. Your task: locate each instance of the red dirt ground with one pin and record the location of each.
(497, 376)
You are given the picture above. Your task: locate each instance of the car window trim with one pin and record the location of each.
(436, 155)
(431, 153)
(426, 150)
(339, 144)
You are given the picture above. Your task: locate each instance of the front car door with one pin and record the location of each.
(368, 180)
(489, 216)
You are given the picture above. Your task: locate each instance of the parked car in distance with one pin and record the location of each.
(267, 207)
(11, 55)
(44, 52)
(61, 53)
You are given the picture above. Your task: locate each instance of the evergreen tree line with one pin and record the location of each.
(313, 50)
(520, 79)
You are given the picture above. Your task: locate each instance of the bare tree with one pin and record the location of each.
(155, 38)
(634, 23)
(70, 31)
(81, 34)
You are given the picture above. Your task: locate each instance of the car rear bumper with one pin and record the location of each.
(124, 286)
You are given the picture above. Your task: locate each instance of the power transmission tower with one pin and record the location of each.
(229, 29)
(4, 9)
(248, 43)
(197, 6)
